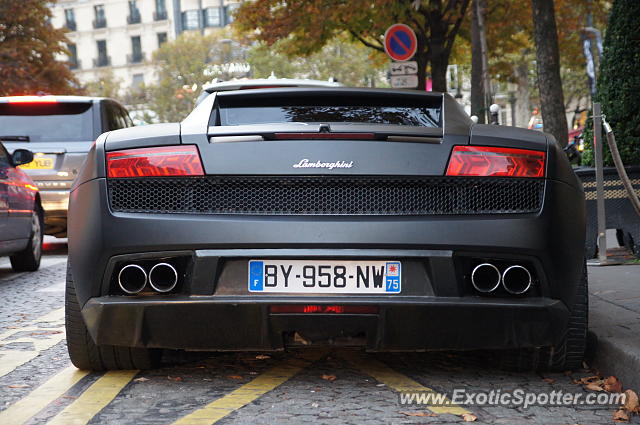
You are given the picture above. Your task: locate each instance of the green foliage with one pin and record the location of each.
(105, 85)
(349, 63)
(184, 66)
(619, 83)
(28, 49)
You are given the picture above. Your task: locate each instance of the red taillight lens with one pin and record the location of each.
(324, 309)
(155, 162)
(498, 162)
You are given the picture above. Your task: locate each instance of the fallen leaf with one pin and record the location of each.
(19, 386)
(631, 401)
(329, 378)
(174, 378)
(235, 377)
(142, 379)
(262, 357)
(469, 417)
(549, 380)
(621, 416)
(594, 387)
(612, 385)
(587, 380)
(299, 338)
(419, 414)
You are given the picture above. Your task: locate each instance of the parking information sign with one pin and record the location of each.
(400, 42)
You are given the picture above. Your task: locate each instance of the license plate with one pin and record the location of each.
(322, 276)
(40, 162)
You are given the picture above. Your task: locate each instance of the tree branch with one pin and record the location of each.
(456, 27)
(365, 42)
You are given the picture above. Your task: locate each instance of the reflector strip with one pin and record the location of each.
(493, 161)
(323, 309)
(353, 136)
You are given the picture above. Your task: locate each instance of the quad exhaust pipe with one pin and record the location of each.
(515, 279)
(163, 277)
(133, 278)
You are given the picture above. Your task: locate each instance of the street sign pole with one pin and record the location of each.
(602, 223)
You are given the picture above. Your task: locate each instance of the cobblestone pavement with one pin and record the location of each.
(38, 385)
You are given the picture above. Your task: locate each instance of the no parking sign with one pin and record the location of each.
(400, 42)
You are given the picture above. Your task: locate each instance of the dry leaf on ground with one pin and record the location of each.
(549, 380)
(621, 416)
(419, 414)
(631, 401)
(141, 379)
(174, 378)
(329, 378)
(19, 386)
(262, 357)
(469, 417)
(594, 387)
(235, 377)
(612, 385)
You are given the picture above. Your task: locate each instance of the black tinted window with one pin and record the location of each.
(47, 122)
(423, 112)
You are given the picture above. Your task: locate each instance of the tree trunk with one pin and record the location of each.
(439, 73)
(548, 61)
(478, 107)
(523, 105)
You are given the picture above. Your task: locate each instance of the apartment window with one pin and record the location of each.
(162, 38)
(100, 20)
(73, 56)
(161, 11)
(70, 19)
(103, 58)
(136, 50)
(190, 20)
(138, 81)
(229, 10)
(212, 17)
(134, 13)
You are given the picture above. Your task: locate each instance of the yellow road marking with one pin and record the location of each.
(39, 398)
(398, 381)
(94, 399)
(42, 338)
(249, 392)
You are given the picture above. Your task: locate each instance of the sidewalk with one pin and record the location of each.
(614, 316)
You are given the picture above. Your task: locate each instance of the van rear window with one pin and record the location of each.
(47, 122)
(232, 110)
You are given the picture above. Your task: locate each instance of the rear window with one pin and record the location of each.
(417, 112)
(47, 122)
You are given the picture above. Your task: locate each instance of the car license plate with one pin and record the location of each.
(322, 276)
(40, 162)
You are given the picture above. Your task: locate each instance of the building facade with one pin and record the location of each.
(121, 35)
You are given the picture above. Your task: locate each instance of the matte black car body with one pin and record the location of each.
(438, 309)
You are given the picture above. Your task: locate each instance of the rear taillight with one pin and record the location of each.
(323, 309)
(155, 162)
(498, 162)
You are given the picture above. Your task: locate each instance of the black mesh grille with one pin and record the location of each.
(327, 195)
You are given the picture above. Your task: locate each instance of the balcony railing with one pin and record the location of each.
(135, 58)
(99, 23)
(71, 25)
(160, 15)
(134, 18)
(102, 61)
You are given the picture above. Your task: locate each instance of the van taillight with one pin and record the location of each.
(162, 161)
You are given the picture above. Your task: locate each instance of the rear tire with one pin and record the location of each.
(86, 355)
(569, 353)
(28, 260)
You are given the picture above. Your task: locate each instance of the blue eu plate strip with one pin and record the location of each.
(256, 276)
(392, 281)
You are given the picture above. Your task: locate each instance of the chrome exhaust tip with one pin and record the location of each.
(485, 278)
(516, 280)
(132, 279)
(163, 277)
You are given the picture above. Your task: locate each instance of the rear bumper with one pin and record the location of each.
(55, 202)
(402, 324)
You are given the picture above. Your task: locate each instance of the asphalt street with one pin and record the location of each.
(39, 385)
